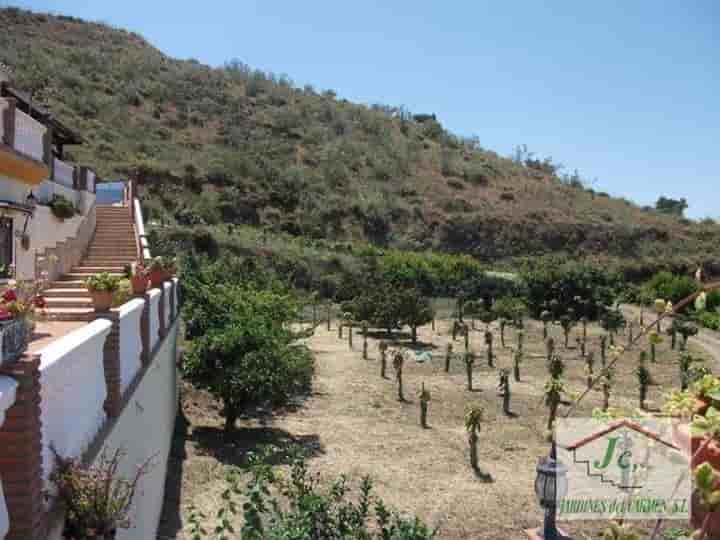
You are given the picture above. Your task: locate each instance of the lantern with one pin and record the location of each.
(550, 485)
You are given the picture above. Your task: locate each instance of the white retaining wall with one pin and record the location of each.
(73, 392)
(130, 341)
(144, 430)
(8, 388)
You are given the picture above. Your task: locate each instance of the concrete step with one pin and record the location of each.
(84, 275)
(111, 250)
(97, 269)
(70, 314)
(107, 261)
(65, 292)
(69, 302)
(65, 282)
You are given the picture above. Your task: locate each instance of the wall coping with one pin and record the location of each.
(154, 294)
(59, 348)
(130, 306)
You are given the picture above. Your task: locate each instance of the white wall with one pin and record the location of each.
(130, 341)
(8, 388)
(73, 392)
(144, 430)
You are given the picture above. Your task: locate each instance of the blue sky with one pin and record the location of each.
(626, 92)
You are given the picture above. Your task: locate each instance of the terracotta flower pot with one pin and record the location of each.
(157, 277)
(102, 300)
(139, 284)
(702, 404)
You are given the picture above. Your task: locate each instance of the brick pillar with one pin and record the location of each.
(173, 307)
(82, 179)
(21, 453)
(8, 120)
(111, 364)
(47, 150)
(161, 312)
(145, 331)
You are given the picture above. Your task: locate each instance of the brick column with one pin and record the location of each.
(47, 151)
(111, 364)
(21, 453)
(161, 312)
(8, 120)
(173, 307)
(145, 330)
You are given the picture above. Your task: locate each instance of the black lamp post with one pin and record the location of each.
(550, 484)
(30, 200)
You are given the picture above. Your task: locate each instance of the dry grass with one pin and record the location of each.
(354, 424)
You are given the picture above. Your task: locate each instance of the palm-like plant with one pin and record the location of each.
(448, 356)
(555, 366)
(503, 322)
(383, 348)
(517, 360)
(590, 367)
(686, 330)
(473, 421)
(644, 379)
(365, 342)
(567, 322)
(489, 344)
(469, 358)
(554, 390)
(654, 339)
(398, 362)
(504, 389)
(546, 317)
(424, 398)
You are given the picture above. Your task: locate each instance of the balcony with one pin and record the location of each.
(25, 148)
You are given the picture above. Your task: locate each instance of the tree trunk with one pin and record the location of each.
(506, 401)
(516, 370)
(551, 417)
(414, 334)
(468, 369)
(567, 338)
(473, 440)
(673, 340)
(340, 332)
(230, 419)
(364, 348)
(490, 356)
(606, 397)
(447, 362)
(652, 353)
(383, 363)
(467, 339)
(502, 335)
(328, 319)
(423, 413)
(545, 333)
(643, 395)
(401, 397)
(350, 336)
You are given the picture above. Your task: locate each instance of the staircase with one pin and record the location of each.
(112, 247)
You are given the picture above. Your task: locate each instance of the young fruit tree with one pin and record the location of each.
(448, 356)
(643, 376)
(469, 358)
(654, 339)
(424, 398)
(590, 367)
(546, 317)
(473, 420)
(504, 389)
(243, 349)
(383, 348)
(489, 345)
(414, 310)
(398, 362)
(554, 390)
(517, 360)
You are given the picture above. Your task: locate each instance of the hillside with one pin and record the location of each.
(242, 146)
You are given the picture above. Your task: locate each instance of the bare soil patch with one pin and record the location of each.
(354, 424)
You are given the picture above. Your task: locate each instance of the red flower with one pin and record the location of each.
(9, 296)
(39, 302)
(5, 315)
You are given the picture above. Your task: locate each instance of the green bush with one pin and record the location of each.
(669, 286)
(62, 208)
(568, 282)
(298, 506)
(103, 282)
(243, 349)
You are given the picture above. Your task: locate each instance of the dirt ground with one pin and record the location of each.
(353, 423)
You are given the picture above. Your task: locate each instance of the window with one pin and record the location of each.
(6, 246)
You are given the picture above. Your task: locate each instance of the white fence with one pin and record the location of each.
(73, 392)
(8, 388)
(64, 173)
(29, 135)
(130, 341)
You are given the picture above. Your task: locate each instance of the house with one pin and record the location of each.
(89, 380)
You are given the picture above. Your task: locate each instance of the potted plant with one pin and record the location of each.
(161, 269)
(102, 287)
(95, 499)
(138, 277)
(20, 302)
